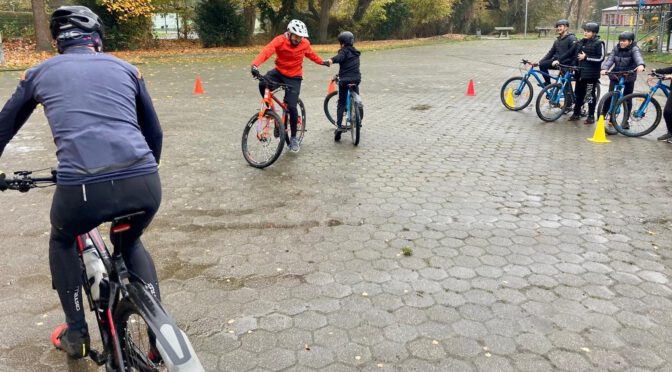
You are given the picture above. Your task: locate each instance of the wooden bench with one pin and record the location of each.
(543, 29)
(503, 31)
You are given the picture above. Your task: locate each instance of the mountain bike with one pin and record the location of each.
(517, 92)
(557, 99)
(646, 113)
(133, 325)
(266, 132)
(353, 106)
(608, 104)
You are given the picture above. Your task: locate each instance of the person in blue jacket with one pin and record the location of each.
(108, 146)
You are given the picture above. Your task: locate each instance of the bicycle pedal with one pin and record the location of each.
(98, 357)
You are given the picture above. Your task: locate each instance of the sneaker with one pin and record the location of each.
(294, 144)
(75, 343)
(626, 126)
(583, 113)
(574, 117)
(589, 120)
(665, 137)
(337, 134)
(669, 140)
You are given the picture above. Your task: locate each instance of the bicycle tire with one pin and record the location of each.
(609, 120)
(331, 116)
(355, 124)
(300, 123)
(133, 321)
(527, 92)
(633, 129)
(264, 142)
(546, 99)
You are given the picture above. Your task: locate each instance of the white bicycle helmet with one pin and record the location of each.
(297, 28)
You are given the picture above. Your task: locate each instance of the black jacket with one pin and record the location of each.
(348, 60)
(624, 59)
(562, 50)
(594, 49)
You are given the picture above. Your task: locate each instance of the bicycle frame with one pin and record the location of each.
(268, 103)
(564, 79)
(652, 92)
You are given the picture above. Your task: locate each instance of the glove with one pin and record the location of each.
(254, 70)
(3, 184)
(326, 63)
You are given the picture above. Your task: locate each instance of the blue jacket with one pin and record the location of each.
(624, 59)
(100, 113)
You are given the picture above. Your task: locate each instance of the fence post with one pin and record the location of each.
(2, 51)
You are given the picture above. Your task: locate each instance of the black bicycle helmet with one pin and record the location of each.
(627, 35)
(562, 22)
(592, 26)
(69, 17)
(346, 38)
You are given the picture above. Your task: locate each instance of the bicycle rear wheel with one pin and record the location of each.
(263, 142)
(520, 91)
(551, 102)
(148, 336)
(643, 118)
(330, 105)
(610, 113)
(355, 123)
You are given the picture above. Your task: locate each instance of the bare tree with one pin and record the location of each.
(41, 26)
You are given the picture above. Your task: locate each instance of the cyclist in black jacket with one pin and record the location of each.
(590, 54)
(108, 145)
(561, 50)
(348, 73)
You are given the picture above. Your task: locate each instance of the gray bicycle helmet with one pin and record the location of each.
(346, 38)
(627, 35)
(562, 22)
(592, 26)
(69, 17)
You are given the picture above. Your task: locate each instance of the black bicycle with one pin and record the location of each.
(133, 325)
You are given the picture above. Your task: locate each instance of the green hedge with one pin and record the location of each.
(16, 24)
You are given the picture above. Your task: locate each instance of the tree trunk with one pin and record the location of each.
(41, 26)
(569, 9)
(360, 10)
(250, 15)
(579, 5)
(325, 7)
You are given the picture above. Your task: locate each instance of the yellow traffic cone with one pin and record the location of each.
(599, 136)
(509, 98)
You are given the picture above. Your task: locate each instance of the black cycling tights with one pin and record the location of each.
(76, 210)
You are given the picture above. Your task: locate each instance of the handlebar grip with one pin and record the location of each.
(3, 182)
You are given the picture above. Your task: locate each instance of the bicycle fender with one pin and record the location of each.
(173, 344)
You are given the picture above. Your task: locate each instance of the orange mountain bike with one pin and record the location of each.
(266, 132)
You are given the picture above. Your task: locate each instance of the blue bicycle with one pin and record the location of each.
(646, 113)
(557, 99)
(354, 111)
(517, 92)
(608, 106)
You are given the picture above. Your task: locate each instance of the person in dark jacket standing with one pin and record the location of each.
(667, 110)
(561, 50)
(348, 73)
(108, 145)
(590, 54)
(626, 56)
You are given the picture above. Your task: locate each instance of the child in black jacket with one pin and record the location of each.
(348, 73)
(590, 53)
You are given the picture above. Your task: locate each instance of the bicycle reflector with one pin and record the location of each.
(121, 228)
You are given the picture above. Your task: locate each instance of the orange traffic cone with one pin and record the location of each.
(198, 89)
(332, 87)
(470, 89)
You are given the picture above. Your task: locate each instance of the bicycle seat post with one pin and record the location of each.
(119, 230)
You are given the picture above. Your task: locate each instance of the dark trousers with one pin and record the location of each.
(343, 98)
(291, 94)
(628, 88)
(544, 66)
(667, 115)
(76, 210)
(585, 91)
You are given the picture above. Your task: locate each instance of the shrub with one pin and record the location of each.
(132, 33)
(16, 24)
(218, 23)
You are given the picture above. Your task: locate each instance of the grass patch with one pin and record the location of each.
(407, 251)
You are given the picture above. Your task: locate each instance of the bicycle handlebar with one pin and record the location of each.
(657, 75)
(526, 62)
(269, 82)
(568, 67)
(23, 181)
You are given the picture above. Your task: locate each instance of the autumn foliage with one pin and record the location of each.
(127, 9)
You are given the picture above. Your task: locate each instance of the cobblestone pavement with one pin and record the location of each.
(533, 248)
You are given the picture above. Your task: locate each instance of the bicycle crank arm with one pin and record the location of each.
(98, 357)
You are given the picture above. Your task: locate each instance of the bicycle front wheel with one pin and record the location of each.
(301, 122)
(516, 93)
(643, 118)
(551, 102)
(355, 123)
(330, 105)
(263, 140)
(610, 113)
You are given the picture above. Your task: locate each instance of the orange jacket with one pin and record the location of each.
(289, 60)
